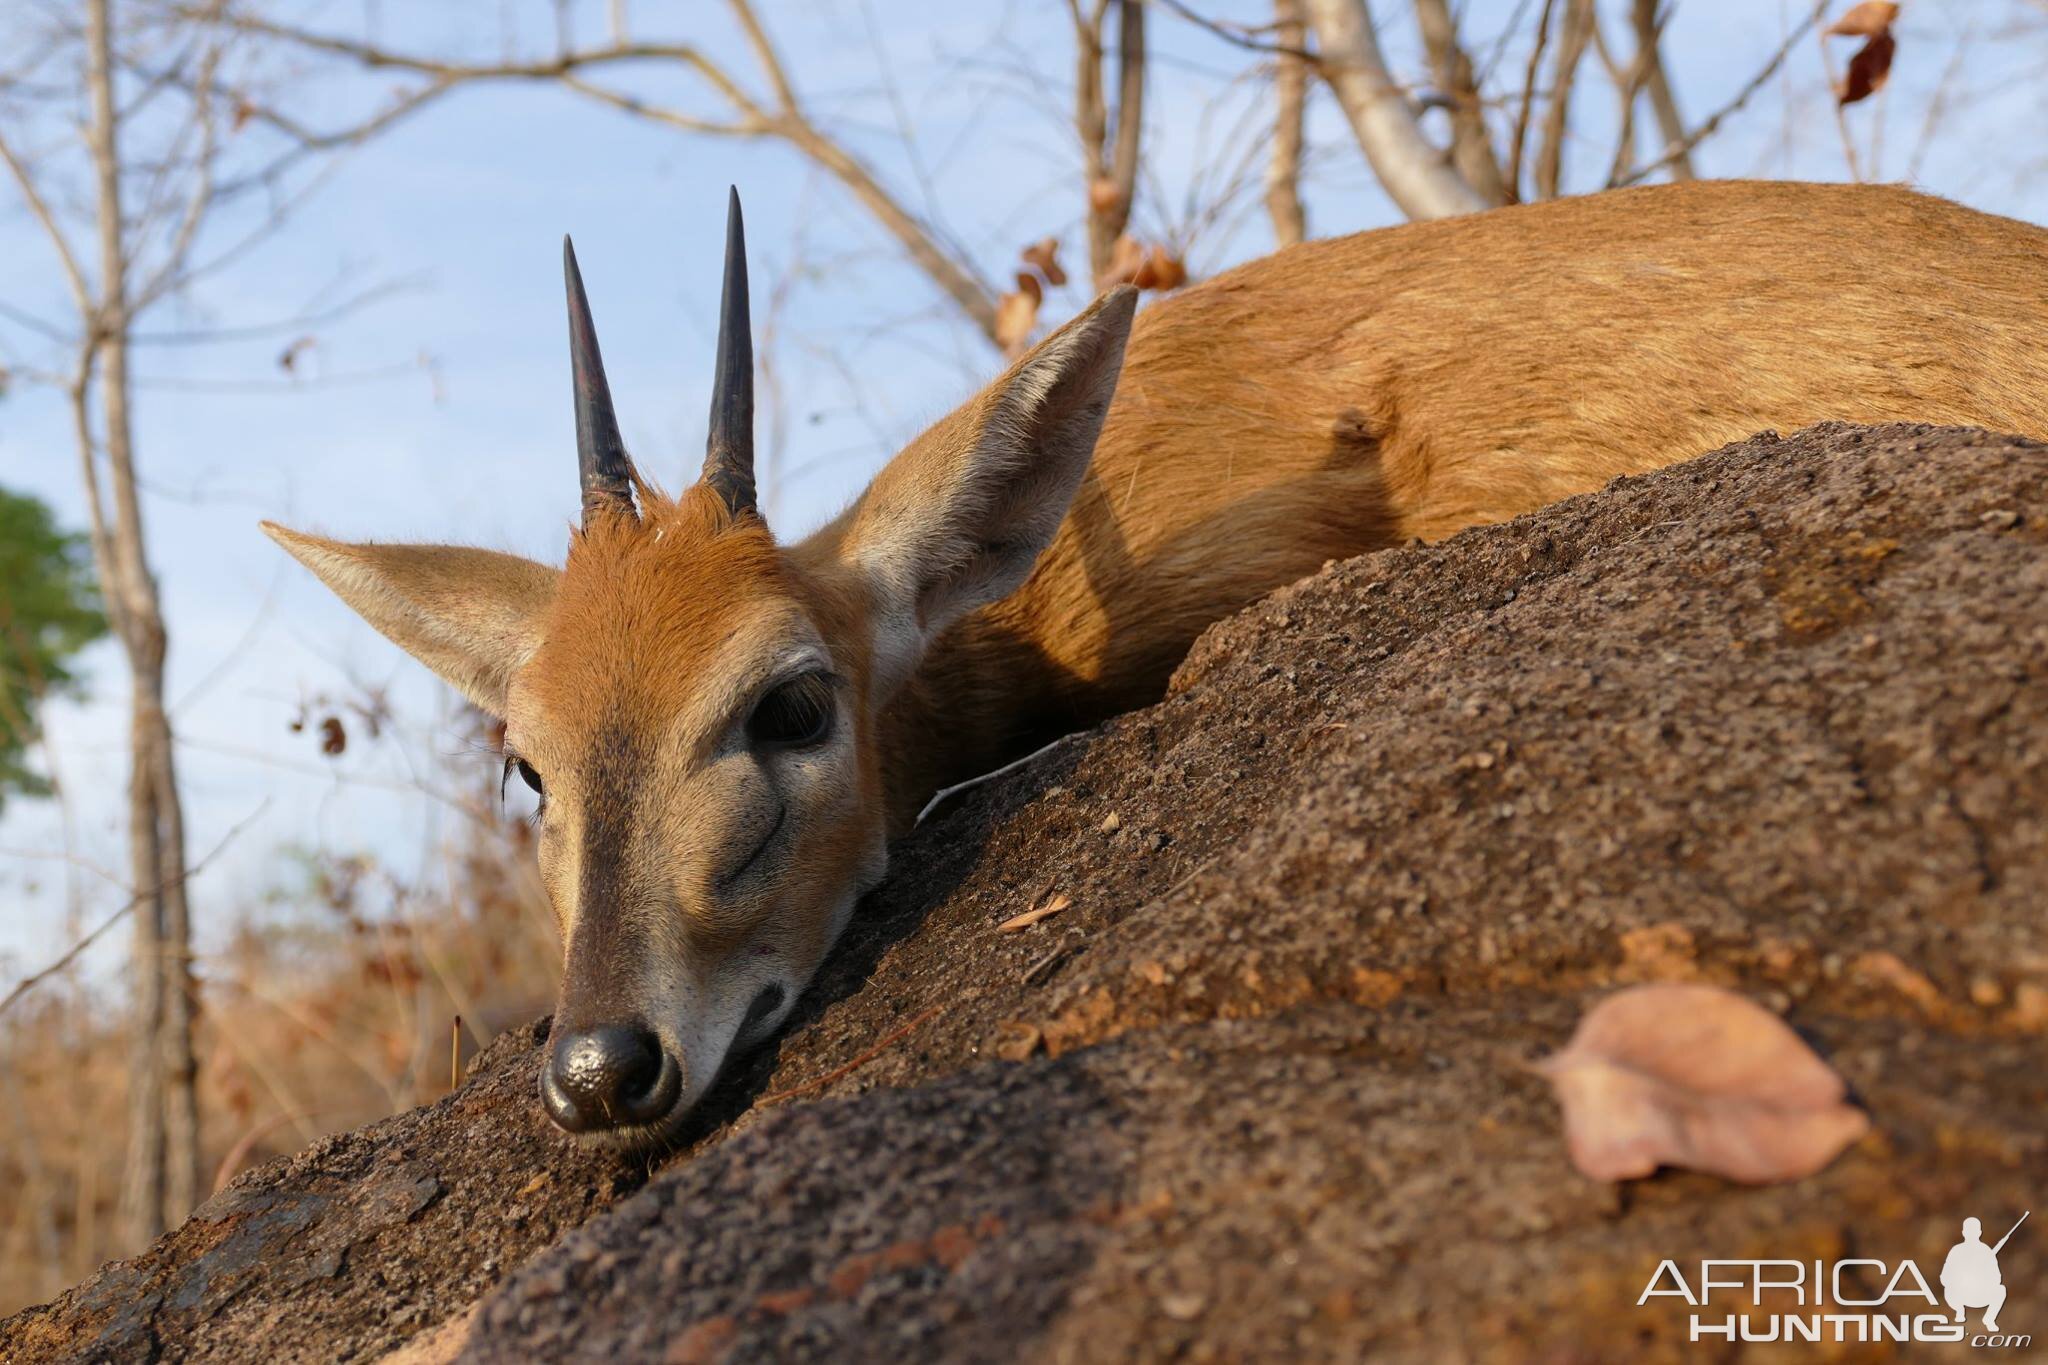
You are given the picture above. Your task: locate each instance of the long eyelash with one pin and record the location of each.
(540, 802)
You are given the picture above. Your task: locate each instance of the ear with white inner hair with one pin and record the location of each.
(957, 520)
(472, 616)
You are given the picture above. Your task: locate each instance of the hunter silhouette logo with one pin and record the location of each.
(1969, 1277)
(1856, 1299)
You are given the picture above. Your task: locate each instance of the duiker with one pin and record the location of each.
(727, 730)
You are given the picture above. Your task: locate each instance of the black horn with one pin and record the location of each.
(600, 455)
(729, 448)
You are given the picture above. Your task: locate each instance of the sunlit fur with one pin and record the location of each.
(1364, 391)
(663, 634)
(1336, 398)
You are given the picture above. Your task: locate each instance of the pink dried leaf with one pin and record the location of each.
(1698, 1077)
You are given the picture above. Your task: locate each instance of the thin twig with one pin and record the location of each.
(1519, 139)
(987, 777)
(1677, 150)
(1240, 35)
(70, 955)
(820, 1082)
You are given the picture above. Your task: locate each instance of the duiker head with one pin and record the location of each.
(698, 706)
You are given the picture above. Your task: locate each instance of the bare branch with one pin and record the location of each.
(1415, 174)
(1649, 30)
(39, 208)
(1471, 143)
(200, 197)
(786, 121)
(1572, 41)
(1520, 138)
(1111, 166)
(1672, 154)
(1239, 35)
(1290, 97)
(71, 954)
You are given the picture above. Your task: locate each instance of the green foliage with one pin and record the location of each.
(49, 610)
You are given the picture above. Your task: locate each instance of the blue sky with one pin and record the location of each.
(442, 413)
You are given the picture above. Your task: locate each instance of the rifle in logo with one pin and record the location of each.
(1970, 1278)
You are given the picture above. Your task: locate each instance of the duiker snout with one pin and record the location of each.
(610, 1077)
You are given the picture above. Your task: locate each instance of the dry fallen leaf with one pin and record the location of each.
(1031, 917)
(1697, 1077)
(1017, 1040)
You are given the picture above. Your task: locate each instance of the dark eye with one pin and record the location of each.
(526, 775)
(794, 715)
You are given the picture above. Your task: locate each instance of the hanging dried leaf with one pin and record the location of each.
(1126, 259)
(1866, 20)
(1868, 70)
(1872, 64)
(1104, 194)
(1045, 258)
(288, 359)
(1160, 271)
(1697, 1077)
(1016, 315)
(1027, 283)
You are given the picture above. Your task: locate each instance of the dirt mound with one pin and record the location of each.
(350, 1247)
(1777, 718)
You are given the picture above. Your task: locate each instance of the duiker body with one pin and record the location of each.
(727, 730)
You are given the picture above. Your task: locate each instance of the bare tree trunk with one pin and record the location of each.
(1575, 37)
(1112, 167)
(163, 1161)
(1418, 177)
(1290, 96)
(1471, 142)
(1663, 100)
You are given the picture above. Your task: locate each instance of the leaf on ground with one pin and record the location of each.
(1697, 1077)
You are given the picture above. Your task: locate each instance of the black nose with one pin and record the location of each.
(608, 1077)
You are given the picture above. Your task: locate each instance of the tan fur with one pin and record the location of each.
(1336, 398)
(1351, 394)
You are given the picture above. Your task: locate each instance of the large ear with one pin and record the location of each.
(957, 520)
(473, 616)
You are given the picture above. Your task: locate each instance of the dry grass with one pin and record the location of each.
(340, 1010)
